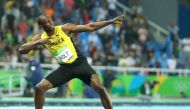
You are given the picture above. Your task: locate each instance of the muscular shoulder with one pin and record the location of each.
(68, 27)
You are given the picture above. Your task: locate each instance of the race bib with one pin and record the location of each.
(64, 55)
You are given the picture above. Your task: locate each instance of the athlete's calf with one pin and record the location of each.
(40, 90)
(97, 85)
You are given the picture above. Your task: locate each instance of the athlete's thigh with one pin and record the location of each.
(59, 76)
(84, 72)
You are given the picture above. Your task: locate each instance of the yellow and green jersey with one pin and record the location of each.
(62, 47)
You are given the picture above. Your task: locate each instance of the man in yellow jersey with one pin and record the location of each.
(58, 40)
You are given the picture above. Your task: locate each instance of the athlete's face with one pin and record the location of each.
(46, 23)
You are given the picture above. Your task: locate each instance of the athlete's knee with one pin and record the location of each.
(96, 84)
(38, 88)
(43, 86)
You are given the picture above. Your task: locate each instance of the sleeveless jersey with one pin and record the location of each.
(62, 47)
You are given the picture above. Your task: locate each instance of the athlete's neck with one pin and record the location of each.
(50, 31)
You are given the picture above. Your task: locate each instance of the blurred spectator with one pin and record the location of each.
(173, 28)
(128, 34)
(15, 11)
(61, 91)
(84, 42)
(172, 62)
(176, 46)
(7, 52)
(108, 77)
(112, 8)
(111, 58)
(168, 45)
(46, 56)
(2, 46)
(10, 37)
(122, 61)
(59, 7)
(22, 27)
(127, 60)
(13, 59)
(154, 63)
(98, 58)
(130, 59)
(99, 12)
(90, 92)
(34, 74)
(36, 70)
(26, 6)
(163, 61)
(69, 4)
(143, 35)
(1, 9)
(86, 16)
(92, 49)
(93, 38)
(49, 11)
(10, 20)
(139, 22)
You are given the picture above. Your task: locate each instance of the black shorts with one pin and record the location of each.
(65, 73)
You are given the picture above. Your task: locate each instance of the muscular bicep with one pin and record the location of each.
(26, 47)
(73, 28)
(35, 38)
(82, 28)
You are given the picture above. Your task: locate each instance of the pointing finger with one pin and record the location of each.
(122, 16)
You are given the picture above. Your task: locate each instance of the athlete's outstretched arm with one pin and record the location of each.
(72, 28)
(25, 48)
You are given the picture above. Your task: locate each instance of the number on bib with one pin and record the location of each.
(65, 55)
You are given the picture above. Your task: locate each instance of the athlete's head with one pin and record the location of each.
(45, 22)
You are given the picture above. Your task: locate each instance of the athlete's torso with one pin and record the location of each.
(62, 47)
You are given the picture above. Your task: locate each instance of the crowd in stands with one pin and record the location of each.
(130, 44)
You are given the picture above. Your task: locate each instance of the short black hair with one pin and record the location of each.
(41, 18)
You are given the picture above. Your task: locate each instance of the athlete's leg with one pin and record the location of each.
(87, 74)
(97, 85)
(41, 88)
(56, 78)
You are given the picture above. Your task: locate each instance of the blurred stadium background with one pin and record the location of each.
(143, 64)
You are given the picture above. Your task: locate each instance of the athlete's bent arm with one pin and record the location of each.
(25, 48)
(72, 28)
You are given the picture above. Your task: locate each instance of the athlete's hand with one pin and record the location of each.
(118, 20)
